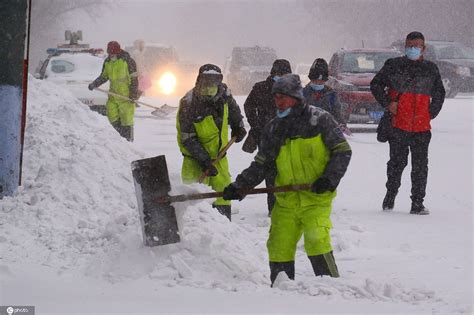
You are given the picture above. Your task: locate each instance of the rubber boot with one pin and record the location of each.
(276, 267)
(117, 126)
(127, 133)
(224, 210)
(324, 265)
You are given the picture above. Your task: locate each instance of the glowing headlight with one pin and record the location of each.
(167, 83)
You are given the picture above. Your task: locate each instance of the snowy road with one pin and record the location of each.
(71, 241)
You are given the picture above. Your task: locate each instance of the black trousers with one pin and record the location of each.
(401, 143)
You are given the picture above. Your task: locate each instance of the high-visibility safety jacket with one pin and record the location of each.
(416, 86)
(300, 148)
(122, 74)
(203, 130)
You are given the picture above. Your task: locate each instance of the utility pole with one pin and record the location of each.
(14, 21)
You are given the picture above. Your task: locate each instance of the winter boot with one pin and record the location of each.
(127, 133)
(389, 201)
(324, 265)
(224, 210)
(418, 208)
(117, 126)
(276, 267)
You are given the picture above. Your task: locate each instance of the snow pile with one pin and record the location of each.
(76, 212)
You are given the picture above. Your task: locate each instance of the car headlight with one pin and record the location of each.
(464, 71)
(167, 83)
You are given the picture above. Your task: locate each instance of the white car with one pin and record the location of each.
(75, 69)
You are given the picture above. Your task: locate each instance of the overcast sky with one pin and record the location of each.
(299, 30)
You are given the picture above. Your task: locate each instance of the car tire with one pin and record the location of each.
(451, 90)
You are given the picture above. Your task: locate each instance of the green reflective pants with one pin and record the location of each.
(289, 224)
(119, 110)
(191, 171)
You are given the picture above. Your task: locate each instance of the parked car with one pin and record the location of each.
(247, 66)
(74, 66)
(455, 62)
(350, 73)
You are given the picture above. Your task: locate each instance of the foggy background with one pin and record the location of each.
(206, 31)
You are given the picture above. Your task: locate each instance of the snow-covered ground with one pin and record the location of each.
(71, 241)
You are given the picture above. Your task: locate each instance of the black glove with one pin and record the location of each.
(91, 86)
(209, 169)
(322, 185)
(231, 193)
(239, 133)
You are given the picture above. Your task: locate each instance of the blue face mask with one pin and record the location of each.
(413, 53)
(283, 114)
(317, 87)
(276, 77)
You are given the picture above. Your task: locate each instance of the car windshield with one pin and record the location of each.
(253, 57)
(365, 62)
(61, 66)
(74, 66)
(453, 51)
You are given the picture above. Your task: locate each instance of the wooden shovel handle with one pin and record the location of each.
(129, 99)
(220, 155)
(254, 191)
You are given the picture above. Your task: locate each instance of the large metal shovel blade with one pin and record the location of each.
(158, 220)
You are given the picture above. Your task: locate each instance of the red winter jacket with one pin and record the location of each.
(417, 87)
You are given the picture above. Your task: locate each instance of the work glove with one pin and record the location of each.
(239, 133)
(322, 185)
(209, 169)
(231, 193)
(91, 86)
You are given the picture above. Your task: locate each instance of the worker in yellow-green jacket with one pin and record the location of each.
(204, 117)
(121, 71)
(303, 144)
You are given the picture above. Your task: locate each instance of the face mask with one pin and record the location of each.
(276, 77)
(209, 90)
(113, 58)
(283, 114)
(317, 87)
(413, 53)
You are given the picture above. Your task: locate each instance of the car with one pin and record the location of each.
(455, 62)
(168, 75)
(350, 73)
(247, 66)
(74, 66)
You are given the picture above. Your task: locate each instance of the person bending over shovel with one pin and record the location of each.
(204, 116)
(120, 69)
(306, 146)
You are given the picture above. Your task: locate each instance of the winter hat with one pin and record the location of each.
(280, 66)
(210, 72)
(289, 84)
(319, 70)
(113, 48)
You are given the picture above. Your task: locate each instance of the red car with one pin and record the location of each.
(350, 73)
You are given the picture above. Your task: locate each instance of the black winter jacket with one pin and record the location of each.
(193, 109)
(326, 99)
(303, 122)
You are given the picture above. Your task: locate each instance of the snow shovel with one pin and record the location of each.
(157, 215)
(220, 155)
(157, 110)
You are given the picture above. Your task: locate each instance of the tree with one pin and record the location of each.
(49, 16)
